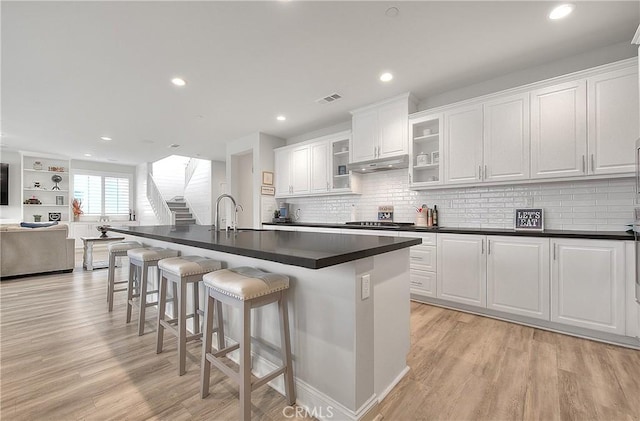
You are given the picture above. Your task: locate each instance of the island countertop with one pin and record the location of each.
(304, 249)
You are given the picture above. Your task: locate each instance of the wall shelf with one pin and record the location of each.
(432, 136)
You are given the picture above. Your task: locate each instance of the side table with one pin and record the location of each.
(87, 256)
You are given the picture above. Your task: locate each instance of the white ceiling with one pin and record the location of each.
(75, 71)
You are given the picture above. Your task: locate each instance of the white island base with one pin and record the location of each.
(348, 352)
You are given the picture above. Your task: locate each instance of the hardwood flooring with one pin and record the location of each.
(63, 356)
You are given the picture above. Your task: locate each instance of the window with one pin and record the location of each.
(103, 194)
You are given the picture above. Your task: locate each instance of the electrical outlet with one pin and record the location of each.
(366, 286)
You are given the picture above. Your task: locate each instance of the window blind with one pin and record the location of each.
(116, 196)
(88, 189)
(102, 195)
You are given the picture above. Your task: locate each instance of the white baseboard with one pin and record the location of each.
(393, 384)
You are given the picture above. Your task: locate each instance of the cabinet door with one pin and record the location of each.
(393, 120)
(587, 284)
(559, 130)
(613, 121)
(506, 139)
(518, 275)
(365, 135)
(320, 167)
(300, 174)
(462, 269)
(463, 145)
(282, 174)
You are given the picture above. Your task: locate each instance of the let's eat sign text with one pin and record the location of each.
(529, 219)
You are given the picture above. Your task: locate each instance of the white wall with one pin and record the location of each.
(168, 173)
(13, 212)
(602, 205)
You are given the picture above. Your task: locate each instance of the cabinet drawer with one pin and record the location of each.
(423, 258)
(423, 282)
(428, 238)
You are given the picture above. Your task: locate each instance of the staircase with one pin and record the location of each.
(182, 212)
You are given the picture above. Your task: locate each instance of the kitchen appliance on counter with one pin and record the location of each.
(381, 224)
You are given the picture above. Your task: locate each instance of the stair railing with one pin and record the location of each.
(189, 170)
(161, 209)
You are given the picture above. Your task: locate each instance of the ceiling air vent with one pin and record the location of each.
(330, 98)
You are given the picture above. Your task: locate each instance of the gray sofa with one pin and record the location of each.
(25, 251)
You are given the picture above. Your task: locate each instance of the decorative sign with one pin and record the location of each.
(268, 190)
(529, 219)
(385, 213)
(55, 216)
(267, 178)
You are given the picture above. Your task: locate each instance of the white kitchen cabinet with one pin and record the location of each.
(319, 167)
(423, 264)
(506, 138)
(462, 269)
(559, 130)
(613, 121)
(380, 130)
(588, 284)
(518, 275)
(315, 167)
(462, 144)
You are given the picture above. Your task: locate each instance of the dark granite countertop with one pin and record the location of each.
(305, 249)
(595, 235)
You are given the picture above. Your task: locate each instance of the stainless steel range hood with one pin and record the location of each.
(383, 164)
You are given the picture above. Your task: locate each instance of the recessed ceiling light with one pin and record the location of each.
(105, 138)
(178, 81)
(386, 77)
(87, 154)
(561, 11)
(281, 118)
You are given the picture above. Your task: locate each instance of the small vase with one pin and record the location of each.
(37, 218)
(76, 218)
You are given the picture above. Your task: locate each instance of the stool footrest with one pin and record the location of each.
(224, 351)
(262, 380)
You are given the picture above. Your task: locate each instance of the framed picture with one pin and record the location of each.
(267, 178)
(268, 190)
(55, 216)
(59, 200)
(529, 220)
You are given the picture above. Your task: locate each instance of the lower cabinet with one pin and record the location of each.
(588, 284)
(462, 269)
(518, 275)
(423, 264)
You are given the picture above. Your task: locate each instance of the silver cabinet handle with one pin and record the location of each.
(554, 251)
(485, 171)
(583, 164)
(416, 258)
(479, 172)
(488, 246)
(482, 251)
(593, 163)
(409, 177)
(327, 186)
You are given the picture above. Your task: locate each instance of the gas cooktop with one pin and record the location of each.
(380, 223)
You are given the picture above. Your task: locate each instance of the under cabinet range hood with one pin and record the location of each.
(381, 164)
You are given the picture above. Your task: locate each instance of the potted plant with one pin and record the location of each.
(76, 206)
(37, 218)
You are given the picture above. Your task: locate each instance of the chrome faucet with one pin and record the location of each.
(217, 215)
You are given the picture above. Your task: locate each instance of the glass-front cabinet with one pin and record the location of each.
(340, 177)
(425, 144)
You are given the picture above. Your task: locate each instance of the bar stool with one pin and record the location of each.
(118, 249)
(245, 288)
(140, 260)
(180, 271)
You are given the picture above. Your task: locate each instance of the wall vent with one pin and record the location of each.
(329, 98)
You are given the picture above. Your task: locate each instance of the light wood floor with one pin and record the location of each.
(64, 357)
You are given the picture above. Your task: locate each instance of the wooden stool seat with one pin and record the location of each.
(181, 271)
(116, 250)
(245, 288)
(140, 260)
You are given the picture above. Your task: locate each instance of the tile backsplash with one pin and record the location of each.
(602, 205)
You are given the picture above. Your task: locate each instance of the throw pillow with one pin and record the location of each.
(37, 225)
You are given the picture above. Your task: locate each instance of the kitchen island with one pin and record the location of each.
(349, 338)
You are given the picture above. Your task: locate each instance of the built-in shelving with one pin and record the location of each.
(37, 183)
(425, 145)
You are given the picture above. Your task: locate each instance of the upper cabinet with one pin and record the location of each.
(579, 125)
(613, 122)
(559, 130)
(463, 145)
(425, 134)
(380, 130)
(315, 167)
